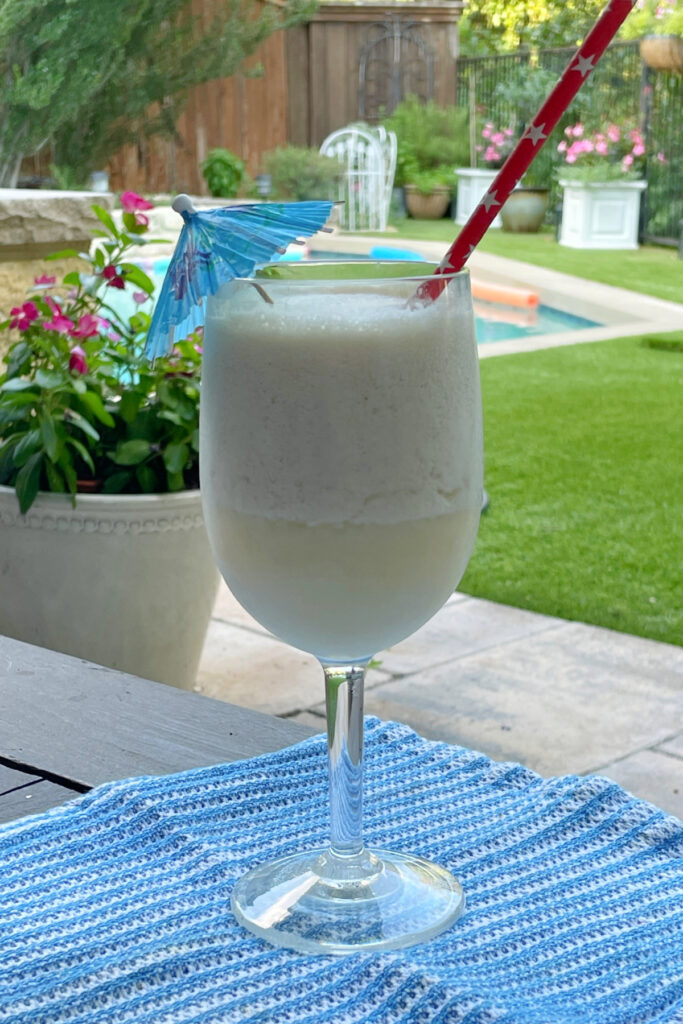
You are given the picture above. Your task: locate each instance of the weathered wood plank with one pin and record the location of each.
(33, 799)
(87, 724)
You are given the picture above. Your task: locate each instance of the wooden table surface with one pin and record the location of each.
(67, 725)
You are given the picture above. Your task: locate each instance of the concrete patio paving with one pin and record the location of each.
(560, 697)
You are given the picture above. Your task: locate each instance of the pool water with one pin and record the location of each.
(493, 321)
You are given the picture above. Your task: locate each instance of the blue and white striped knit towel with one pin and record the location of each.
(114, 909)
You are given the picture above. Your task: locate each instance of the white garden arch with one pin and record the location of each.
(368, 156)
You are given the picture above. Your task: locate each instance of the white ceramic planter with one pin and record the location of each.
(473, 184)
(126, 581)
(601, 216)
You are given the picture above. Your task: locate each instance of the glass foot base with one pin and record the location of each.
(321, 902)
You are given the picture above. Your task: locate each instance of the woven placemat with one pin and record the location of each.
(114, 908)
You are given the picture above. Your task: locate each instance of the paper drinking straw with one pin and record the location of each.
(537, 131)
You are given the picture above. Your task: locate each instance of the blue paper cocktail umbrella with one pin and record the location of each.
(216, 246)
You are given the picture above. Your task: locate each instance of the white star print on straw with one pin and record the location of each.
(584, 65)
(489, 200)
(535, 133)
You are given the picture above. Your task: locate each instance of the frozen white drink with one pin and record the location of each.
(342, 473)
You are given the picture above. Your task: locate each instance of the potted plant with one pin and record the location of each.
(103, 551)
(431, 142)
(659, 26)
(492, 148)
(520, 96)
(602, 183)
(428, 195)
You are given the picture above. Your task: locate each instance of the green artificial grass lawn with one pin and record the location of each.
(583, 471)
(656, 271)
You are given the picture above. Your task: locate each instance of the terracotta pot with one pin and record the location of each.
(665, 53)
(431, 207)
(124, 580)
(525, 209)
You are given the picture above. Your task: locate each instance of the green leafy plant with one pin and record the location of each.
(223, 173)
(427, 182)
(299, 173)
(429, 138)
(81, 408)
(654, 18)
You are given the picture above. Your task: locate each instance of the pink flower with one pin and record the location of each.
(586, 146)
(578, 131)
(626, 162)
(491, 154)
(23, 316)
(661, 158)
(569, 132)
(88, 327)
(44, 279)
(508, 132)
(487, 131)
(601, 147)
(132, 202)
(638, 149)
(77, 361)
(571, 158)
(562, 147)
(497, 138)
(613, 133)
(112, 277)
(59, 323)
(140, 297)
(141, 220)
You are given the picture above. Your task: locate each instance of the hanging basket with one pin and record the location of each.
(664, 53)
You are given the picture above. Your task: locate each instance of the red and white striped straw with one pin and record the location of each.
(573, 77)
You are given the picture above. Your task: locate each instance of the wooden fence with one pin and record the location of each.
(310, 86)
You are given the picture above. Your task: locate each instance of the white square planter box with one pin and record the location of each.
(601, 216)
(473, 184)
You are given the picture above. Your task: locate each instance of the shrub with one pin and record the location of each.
(223, 173)
(429, 138)
(300, 173)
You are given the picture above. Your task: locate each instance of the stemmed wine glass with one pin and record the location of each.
(341, 459)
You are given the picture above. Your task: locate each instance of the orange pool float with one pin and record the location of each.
(504, 294)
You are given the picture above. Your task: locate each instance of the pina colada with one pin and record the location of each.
(342, 472)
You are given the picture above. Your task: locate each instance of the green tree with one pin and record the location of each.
(491, 26)
(88, 77)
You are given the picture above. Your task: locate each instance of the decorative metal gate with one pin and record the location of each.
(394, 63)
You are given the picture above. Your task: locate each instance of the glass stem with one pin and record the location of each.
(344, 700)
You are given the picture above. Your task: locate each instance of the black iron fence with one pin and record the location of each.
(625, 89)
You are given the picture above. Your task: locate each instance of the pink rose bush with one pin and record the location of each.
(612, 152)
(80, 405)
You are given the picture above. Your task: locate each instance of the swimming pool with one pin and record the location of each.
(493, 321)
